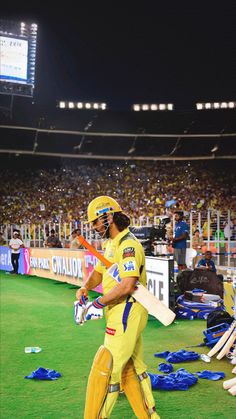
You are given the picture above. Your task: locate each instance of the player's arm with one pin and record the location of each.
(181, 237)
(120, 291)
(94, 279)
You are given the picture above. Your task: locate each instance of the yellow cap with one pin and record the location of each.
(102, 205)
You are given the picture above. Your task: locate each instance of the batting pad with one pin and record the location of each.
(98, 381)
(133, 391)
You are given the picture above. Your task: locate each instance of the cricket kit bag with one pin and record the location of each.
(187, 309)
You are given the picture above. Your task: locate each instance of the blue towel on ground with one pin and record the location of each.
(181, 380)
(165, 367)
(44, 374)
(211, 375)
(178, 356)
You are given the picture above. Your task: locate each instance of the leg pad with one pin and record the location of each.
(98, 382)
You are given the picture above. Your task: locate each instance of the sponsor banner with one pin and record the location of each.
(230, 298)
(5, 260)
(62, 265)
(158, 274)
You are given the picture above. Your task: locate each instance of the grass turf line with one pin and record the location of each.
(37, 312)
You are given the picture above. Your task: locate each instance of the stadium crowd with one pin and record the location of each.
(144, 189)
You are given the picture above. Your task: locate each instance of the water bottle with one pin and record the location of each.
(32, 349)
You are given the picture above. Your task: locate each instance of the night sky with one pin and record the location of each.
(178, 52)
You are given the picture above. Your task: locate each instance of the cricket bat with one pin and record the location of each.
(154, 306)
(229, 383)
(222, 340)
(226, 348)
(232, 390)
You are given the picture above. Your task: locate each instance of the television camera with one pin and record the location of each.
(153, 238)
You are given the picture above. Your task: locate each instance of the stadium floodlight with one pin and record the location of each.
(62, 104)
(216, 105)
(199, 106)
(223, 105)
(82, 105)
(153, 107)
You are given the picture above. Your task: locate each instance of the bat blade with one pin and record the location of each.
(229, 383)
(152, 304)
(232, 390)
(222, 340)
(226, 348)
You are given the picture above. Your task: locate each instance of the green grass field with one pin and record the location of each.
(39, 312)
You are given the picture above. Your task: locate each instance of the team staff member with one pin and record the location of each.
(208, 264)
(118, 365)
(15, 244)
(179, 241)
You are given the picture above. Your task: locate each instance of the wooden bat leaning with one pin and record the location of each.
(222, 340)
(154, 306)
(225, 350)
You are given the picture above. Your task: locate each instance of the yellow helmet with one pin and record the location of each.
(101, 205)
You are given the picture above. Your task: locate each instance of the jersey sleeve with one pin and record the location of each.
(129, 259)
(99, 267)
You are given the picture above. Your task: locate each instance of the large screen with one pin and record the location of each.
(13, 59)
(18, 41)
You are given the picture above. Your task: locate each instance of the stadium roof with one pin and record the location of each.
(77, 133)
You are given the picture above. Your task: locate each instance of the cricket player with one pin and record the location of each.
(118, 364)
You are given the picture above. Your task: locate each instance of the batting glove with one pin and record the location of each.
(80, 309)
(95, 310)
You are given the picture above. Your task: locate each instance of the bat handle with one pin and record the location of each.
(89, 247)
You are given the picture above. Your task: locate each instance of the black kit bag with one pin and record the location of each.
(217, 317)
(200, 278)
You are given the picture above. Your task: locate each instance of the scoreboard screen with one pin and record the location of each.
(13, 59)
(18, 41)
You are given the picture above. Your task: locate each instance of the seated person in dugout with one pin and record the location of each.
(208, 264)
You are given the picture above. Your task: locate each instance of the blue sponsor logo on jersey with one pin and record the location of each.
(129, 266)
